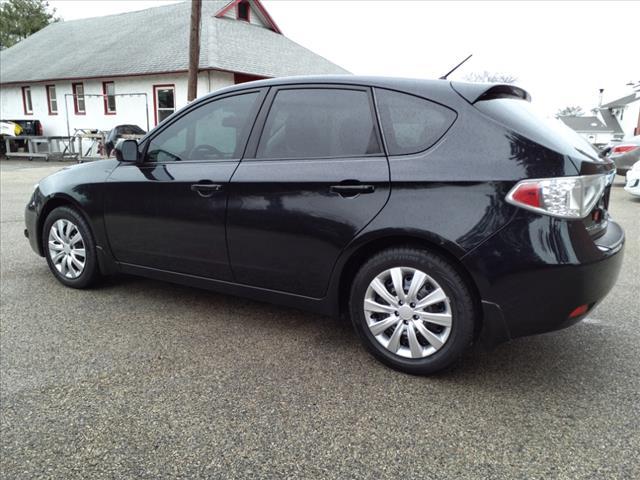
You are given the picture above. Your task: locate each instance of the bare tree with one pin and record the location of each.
(570, 111)
(490, 77)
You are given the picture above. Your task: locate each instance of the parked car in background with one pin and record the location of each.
(9, 129)
(29, 126)
(625, 154)
(118, 132)
(432, 213)
(604, 151)
(16, 128)
(633, 180)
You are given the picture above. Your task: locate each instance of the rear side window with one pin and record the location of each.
(411, 124)
(524, 118)
(319, 123)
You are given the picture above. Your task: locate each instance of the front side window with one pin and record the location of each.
(26, 100)
(319, 123)
(411, 124)
(109, 92)
(165, 101)
(78, 98)
(217, 130)
(52, 100)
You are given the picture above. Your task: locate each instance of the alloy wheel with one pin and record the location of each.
(67, 249)
(408, 312)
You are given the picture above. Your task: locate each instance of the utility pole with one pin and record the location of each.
(194, 49)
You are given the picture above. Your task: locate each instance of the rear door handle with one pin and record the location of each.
(206, 189)
(351, 190)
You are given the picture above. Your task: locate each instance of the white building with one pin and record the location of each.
(627, 112)
(594, 129)
(65, 75)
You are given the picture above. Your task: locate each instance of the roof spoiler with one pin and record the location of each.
(476, 92)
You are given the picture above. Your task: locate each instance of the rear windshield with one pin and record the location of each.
(411, 124)
(523, 118)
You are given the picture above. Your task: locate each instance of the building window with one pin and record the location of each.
(243, 11)
(78, 98)
(109, 92)
(26, 101)
(52, 100)
(164, 101)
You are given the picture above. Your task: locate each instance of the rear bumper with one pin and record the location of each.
(536, 272)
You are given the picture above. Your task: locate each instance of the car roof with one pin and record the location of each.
(437, 90)
(436, 86)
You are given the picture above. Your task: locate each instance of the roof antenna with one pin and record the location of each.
(444, 77)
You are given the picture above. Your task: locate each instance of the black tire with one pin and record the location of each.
(461, 304)
(91, 272)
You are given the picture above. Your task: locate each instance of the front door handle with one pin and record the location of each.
(206, 189)
(351, 190)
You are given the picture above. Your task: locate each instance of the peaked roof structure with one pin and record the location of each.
(611, 121)
(621, 102)
(156, 40)
(586, 124)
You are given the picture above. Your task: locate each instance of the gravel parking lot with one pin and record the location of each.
(143, 379)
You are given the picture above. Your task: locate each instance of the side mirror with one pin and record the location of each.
(126, 150)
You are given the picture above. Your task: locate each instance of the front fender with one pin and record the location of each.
(80, 186)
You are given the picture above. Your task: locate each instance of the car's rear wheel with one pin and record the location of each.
(412, 310)
(69, 248)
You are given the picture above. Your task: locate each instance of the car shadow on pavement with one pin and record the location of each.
(546, 361)
(250, 312)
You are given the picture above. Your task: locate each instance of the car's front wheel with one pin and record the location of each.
(412, 310)
(69, 248)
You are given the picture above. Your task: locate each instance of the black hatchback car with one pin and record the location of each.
(432, 213)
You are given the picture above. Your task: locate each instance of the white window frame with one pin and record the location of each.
(27, 102)
(156, 100)
(76, 99)
(52, 99)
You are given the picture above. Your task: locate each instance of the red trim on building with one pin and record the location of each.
(256, 3)
(46, 88)
(75, 99)
(24, 100)
(243, 78)
(225, 9)
(124, 75)
(155, 99)
(95, 77)
(270, 20)
(105, 98)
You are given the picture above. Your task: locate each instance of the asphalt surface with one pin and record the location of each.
(142, 379)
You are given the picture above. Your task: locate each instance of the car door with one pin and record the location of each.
(168, 211)
(314, 175)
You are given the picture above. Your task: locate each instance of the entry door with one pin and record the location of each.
(317, 178)
(168, 212)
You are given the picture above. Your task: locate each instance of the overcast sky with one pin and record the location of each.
(561, 52)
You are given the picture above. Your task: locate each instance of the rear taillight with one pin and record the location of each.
(39, 131)
(563, 197)
(624, 148)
